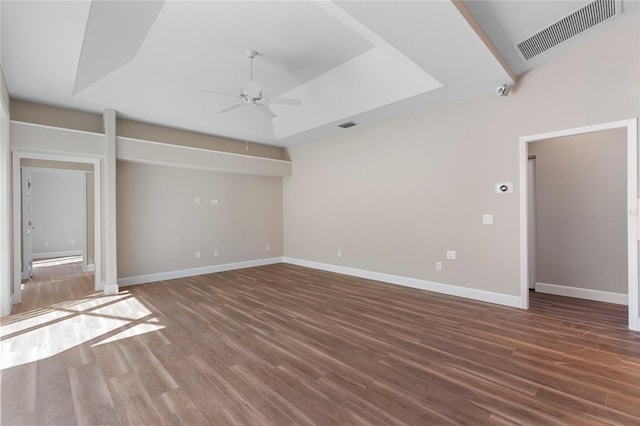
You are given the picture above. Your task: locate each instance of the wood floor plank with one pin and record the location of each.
(18, 393)
(53, 388)
(176, 408)
(283, 344)
(92, 401)
(133, 404)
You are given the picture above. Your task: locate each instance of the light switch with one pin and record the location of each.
(487, 219)
(215, 202)
(197, 200)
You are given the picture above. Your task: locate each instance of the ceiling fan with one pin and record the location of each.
(252, 95)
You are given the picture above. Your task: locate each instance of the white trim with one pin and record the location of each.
(583, 293)
(111, 289)
(632, 207)
(46, 126)
(18, 154)
(166, 154)
(193, 148)
(453, 290)
(50, 254)
(162, 276)
(84, 222)
(109, 214)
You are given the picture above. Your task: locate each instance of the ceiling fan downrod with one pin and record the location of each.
(251, 54)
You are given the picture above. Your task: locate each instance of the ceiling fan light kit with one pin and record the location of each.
(252, 95)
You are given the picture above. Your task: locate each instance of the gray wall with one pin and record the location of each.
(160, 227)
(581, 184)
(395, 196)
(57, 212)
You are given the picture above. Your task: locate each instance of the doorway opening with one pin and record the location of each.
(629, 202)
(57, 224)
(56, 211)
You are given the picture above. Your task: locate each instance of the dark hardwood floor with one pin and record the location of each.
(283, 344)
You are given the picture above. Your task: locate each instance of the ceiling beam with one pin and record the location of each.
(466, 14)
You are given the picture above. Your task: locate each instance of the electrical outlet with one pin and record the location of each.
(451, 254)
(46, 243)
(197, 200)
(267, 247)
(216, 253)
(215, 202)
(197, 255)
(438, 266)
(339, 253)
(72, 242)
(487, 219)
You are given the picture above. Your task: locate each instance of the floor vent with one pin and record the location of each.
(573, 24)
(347, 124)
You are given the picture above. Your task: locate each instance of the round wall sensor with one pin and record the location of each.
(504, 188)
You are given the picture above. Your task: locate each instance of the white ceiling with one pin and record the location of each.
(361, 61)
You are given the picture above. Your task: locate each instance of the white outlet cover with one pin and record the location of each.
(487, 219)
(451, 254)
(215, 202)
(197, 200)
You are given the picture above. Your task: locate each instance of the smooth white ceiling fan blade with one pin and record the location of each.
(222, 93)
(266, 111)
(231, 108)
(285, 101)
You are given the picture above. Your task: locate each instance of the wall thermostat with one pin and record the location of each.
(504, 188)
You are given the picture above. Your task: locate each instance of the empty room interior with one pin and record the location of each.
(319, 212)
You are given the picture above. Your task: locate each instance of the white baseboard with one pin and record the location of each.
(161, 276)
(91, 265)
(453, 290)
(110, 288)
(583, 293)
(50, 254)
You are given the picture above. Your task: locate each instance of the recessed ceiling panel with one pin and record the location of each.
(41, 43)
(206, 41)
(105, 50)
(362, 61)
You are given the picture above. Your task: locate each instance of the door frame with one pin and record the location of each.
(27, 246)
(83, 178)
(631, 127)
(17, 217)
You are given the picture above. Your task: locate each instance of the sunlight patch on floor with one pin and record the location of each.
(43, 263)
(53, 330)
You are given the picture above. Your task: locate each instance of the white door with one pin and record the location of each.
(531, 219)
(27, 226)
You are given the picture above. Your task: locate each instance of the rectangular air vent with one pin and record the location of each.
(573, 24)
(347, 124)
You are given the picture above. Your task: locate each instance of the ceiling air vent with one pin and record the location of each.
(573, 24)
(347, 124)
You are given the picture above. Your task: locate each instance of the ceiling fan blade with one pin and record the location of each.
(231, 108)
(222, 93)
(266, 111)
(285, 101)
